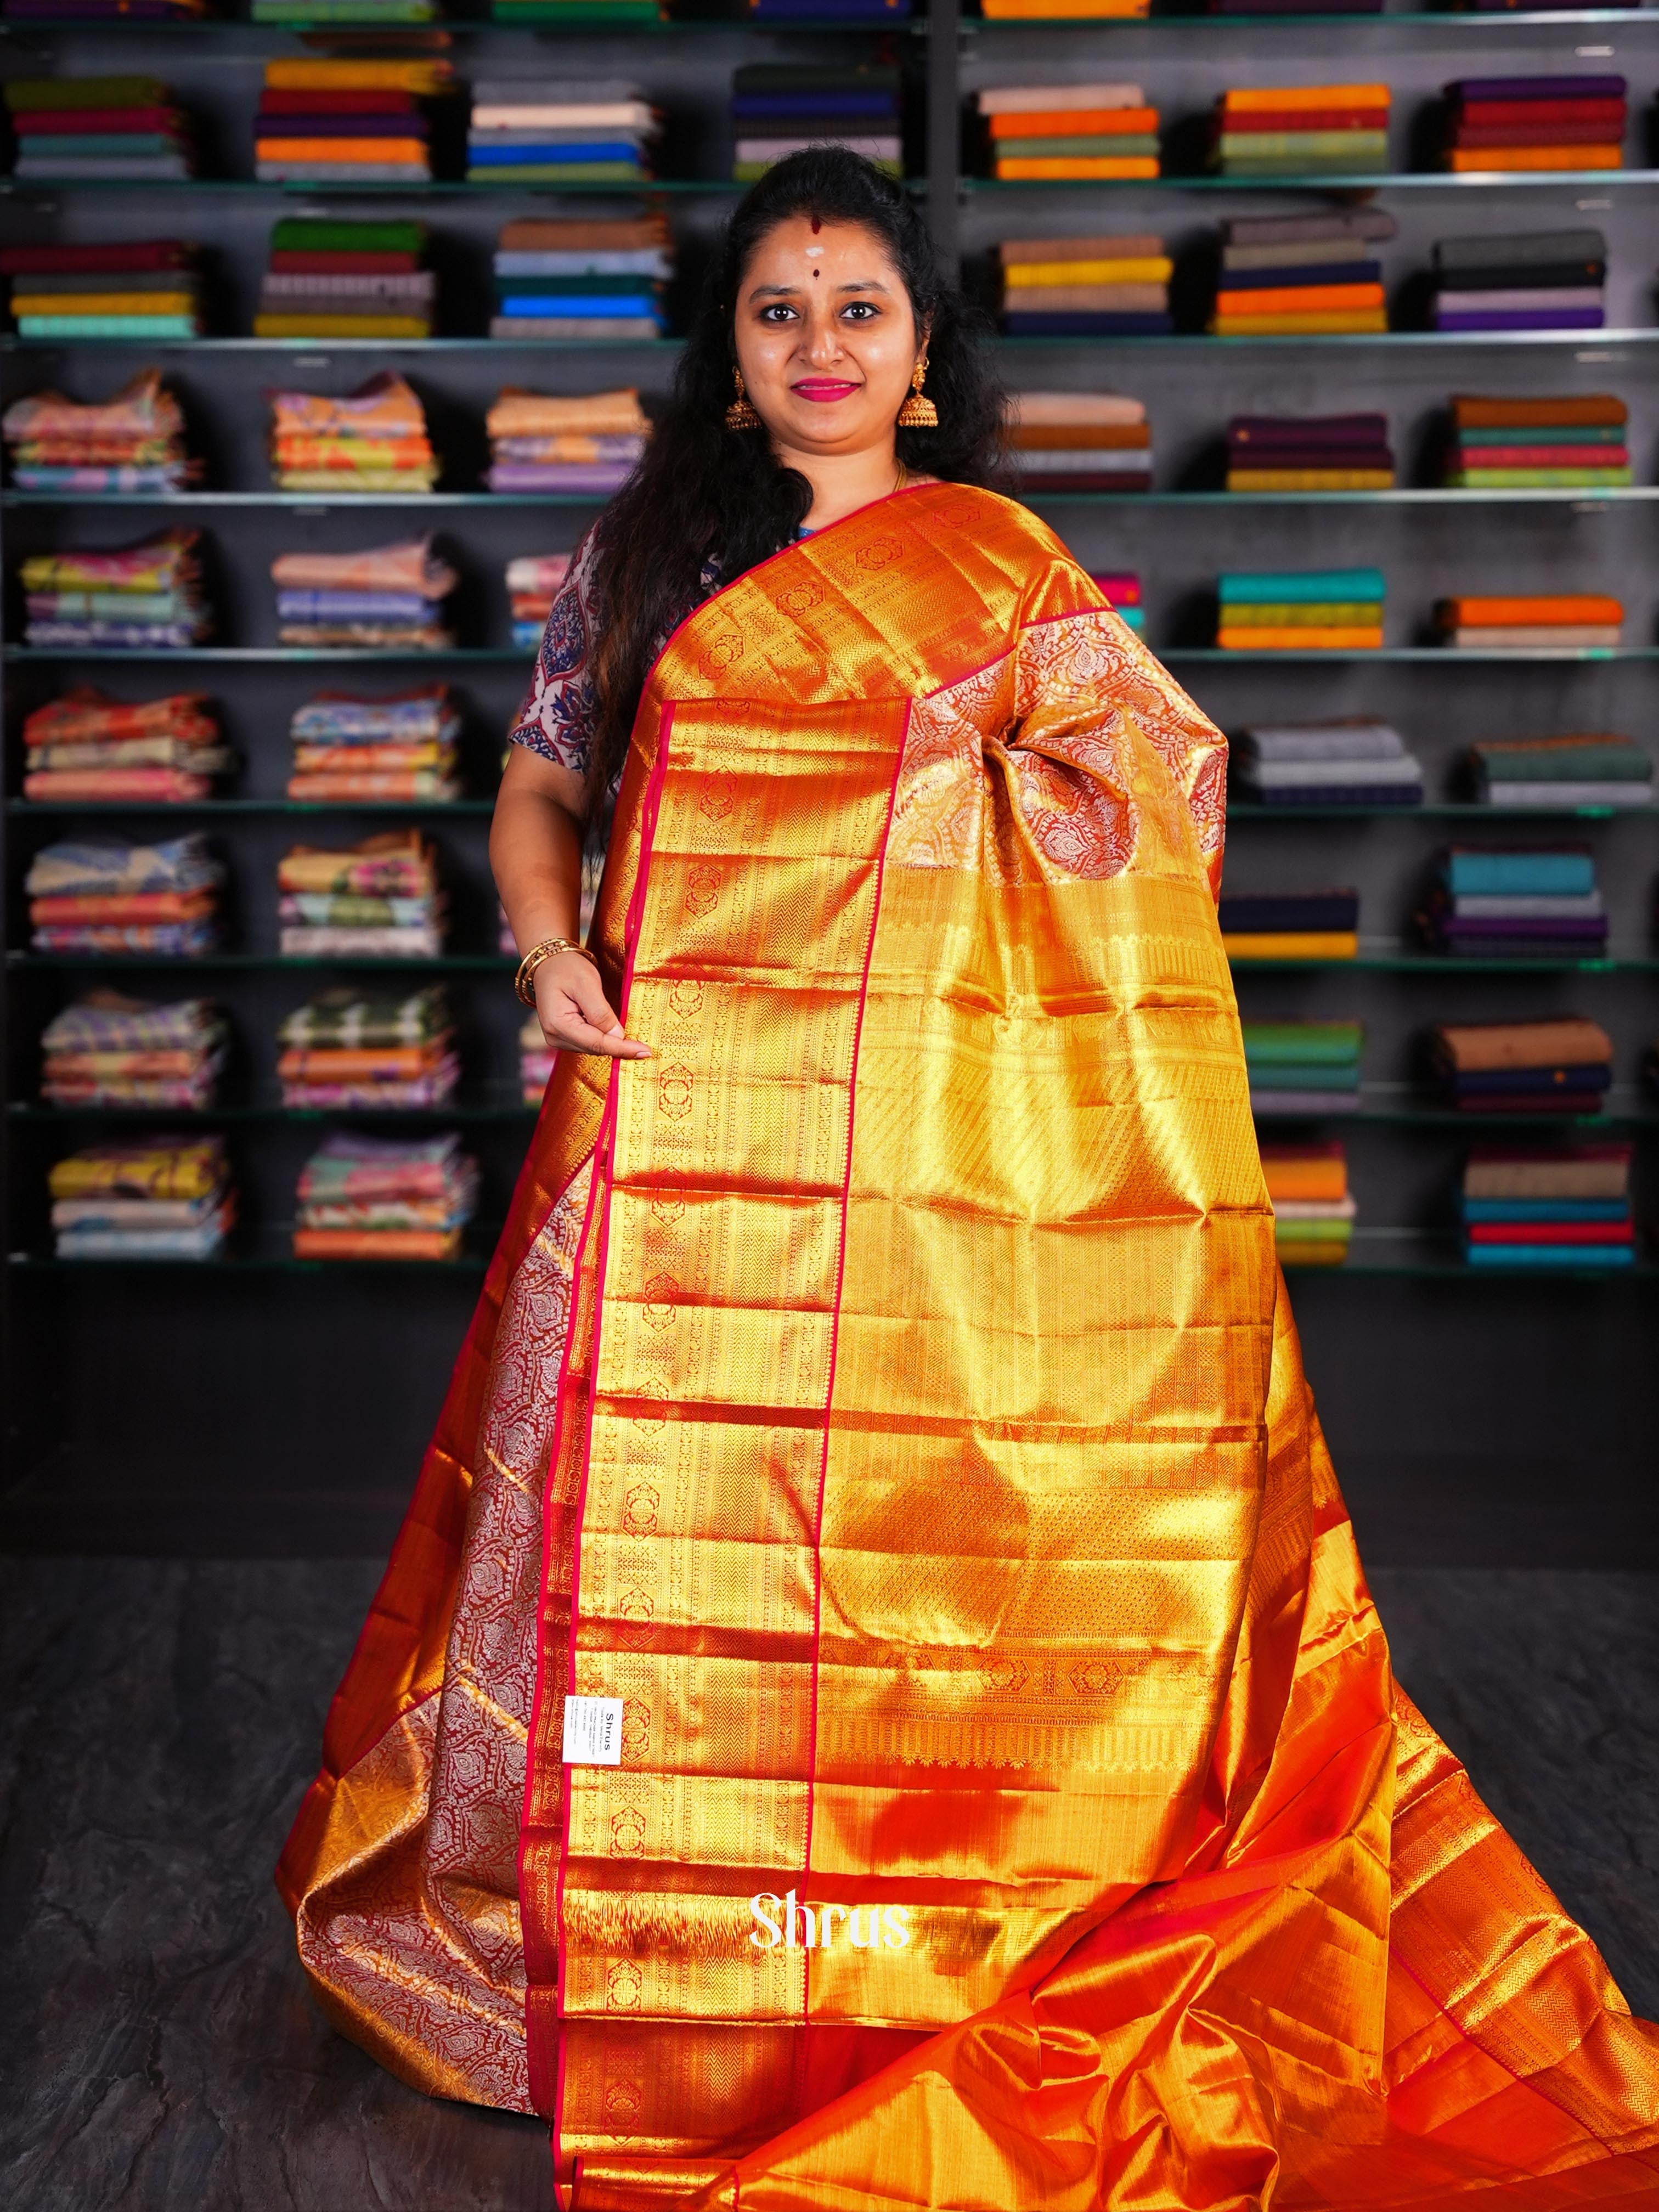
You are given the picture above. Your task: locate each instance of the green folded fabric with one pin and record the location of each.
(1311, 1232)
(1548, 433)
(1075, 150)
(1303, 614)
(299, 233)
(1595, 764)
(556, 172)
(1276, 145)
(24, 93)
(1325, 1043)
(82, 145)
(1537, 479)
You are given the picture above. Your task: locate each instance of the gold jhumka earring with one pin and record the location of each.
(918, 412)
(740, 416)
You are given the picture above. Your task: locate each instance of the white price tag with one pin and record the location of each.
(592, 1731)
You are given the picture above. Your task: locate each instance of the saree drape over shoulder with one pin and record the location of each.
(887, 1391)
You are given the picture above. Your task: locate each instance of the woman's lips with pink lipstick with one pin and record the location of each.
(822, 388)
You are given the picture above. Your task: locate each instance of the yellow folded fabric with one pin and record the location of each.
(1291, 944)
(1086, 169)
(298, 76)
(1310, 479)
(1335, 322)
(1524, 158)
(1017, 274)
(1299, 640)
(1091, 299)
(103, 303)
(1277, 99)
(340, 326)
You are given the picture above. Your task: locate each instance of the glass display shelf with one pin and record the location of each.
(1174, 656)
(1382, 956)
(1433, 810)
(1594, 344)
(447, 964)
(329, 656)
(1397, 1106)
(1030, 495)
(305, 502)
(396, 809)
(12, 344)
(1349, 180)
(1397, 19)
(486, 1102)
(269, 1250)
(1438, 1253)
(1435, 656)
(35, 188)
(589, 24)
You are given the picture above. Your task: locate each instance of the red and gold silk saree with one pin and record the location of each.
(887, 1392)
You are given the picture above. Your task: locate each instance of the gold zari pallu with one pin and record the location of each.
(887, 1392)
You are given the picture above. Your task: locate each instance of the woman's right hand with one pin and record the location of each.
(573, 1012)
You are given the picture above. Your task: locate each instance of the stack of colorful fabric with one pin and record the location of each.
(1109, 287)
(373, 441)
(1309, 453)
(349, 748)
(92, 129)
(585, 446)
(1313, 1212)
(90, 748)
(1059, 132)
(96, 895)
(331, 279)
(1557, 772)
(1535, 280)
(134, 442)
(1512, 905)
(110, 1050)
(356, 122)
(1300, 129)
(380, 900)
(145, 1198)
(1123, 587)
(1563, 1066)
(1565, 1206)
(778, 107)
(1290, 926)
(1527, 123)
(391, 1051)
(376, 1198)
(532, 581)
(390, 597)
(145, 288)
(1540, 621)
(1538, 444)
(144, 595)
(1302, 275)
(1357, 763)
(1304, 1067)
(1276, 610)
(1079, 441)
(557, 278)
(535, 1058)
(558, 130)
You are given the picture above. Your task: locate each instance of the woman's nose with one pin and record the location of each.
(823, 340)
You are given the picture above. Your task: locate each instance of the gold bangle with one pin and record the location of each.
(523, 982)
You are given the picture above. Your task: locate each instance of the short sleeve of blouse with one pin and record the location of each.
(557, 718)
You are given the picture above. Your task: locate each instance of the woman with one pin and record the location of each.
(875, 1701)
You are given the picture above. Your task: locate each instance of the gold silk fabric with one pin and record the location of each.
(887, 1393)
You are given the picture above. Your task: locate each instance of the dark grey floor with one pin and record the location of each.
(161, 1720)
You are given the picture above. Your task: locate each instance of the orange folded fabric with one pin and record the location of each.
(1306, 636)
(1247, 100)
(1554, 610)
(349, 1064)
(1075, 123)
(1065, 437)
(1477, 1045)
(123, 906)
(1471, 412)
(1535, 158)
(1298, 299)
(1305, 1170)
(376, 1243)
(367, 152)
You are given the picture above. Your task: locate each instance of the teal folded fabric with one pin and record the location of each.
(1305, 586)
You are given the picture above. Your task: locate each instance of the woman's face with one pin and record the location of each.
(826, 337)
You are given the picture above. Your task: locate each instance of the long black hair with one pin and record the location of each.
(705, 495)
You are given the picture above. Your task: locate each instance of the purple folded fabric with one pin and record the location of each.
(1309, 456)
(561, 476)
(1311, 430)
(1536, 319)
(1542, 88)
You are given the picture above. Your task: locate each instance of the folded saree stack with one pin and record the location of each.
(1313, 1210)
(100, 895)
(1304, 1067)
(1550, 280)
(1056, 133)
(1290, 926)
(1556, 1066)
(1302, 275)
(145, 288)
(98, 128)
(575, 278)
(1311, 452)
(1115, 286)
(106, 1049)
(559, 130)
(1301, 130)
(1538, 444)
(1556, 1207)
(1518, 622)
(1591, 770)
(391, 1051)
(382, 1198)
(347, 748)
(146, 595)
(145, 1198)
(335, 279)
(1357, 763)
(379, 900)
(1300, 610)
(1535, 123)
(779, 107)
(389, 597)
(584, 445)
(1531, 904)
(1079, 441)
(373, 439)
(352, 122)
(85, 746)
(535, 1058)
(132, 442)
(532, 581)
(1123, 587)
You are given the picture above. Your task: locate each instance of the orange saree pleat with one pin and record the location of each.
(919, 1453)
